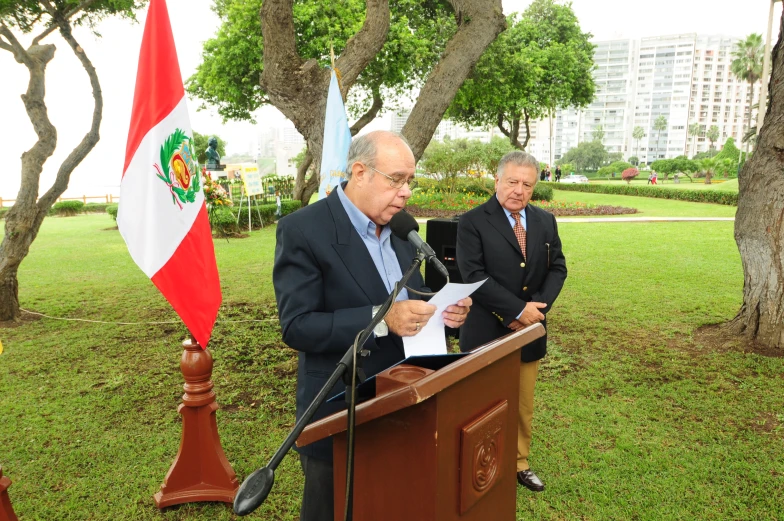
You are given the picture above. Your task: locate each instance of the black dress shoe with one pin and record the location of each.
(529, 480)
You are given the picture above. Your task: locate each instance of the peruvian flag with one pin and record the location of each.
(163, 215)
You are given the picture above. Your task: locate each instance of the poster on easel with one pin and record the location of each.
(251, 180)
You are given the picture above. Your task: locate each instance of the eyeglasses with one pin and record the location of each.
(397, 184)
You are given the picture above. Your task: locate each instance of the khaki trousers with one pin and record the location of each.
(528, 372)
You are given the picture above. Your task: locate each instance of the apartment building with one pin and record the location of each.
(683, 78)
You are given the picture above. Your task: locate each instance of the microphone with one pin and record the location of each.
(405, 227)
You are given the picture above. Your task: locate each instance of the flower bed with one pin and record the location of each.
(442, 205)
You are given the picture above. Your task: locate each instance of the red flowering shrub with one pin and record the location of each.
(629, 174)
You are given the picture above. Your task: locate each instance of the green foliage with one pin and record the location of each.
(747, 57)
(95, 207)
(598, 133)
(263, 214)
(67, 208)
(112, 210)
(447, 160)
(613, 168)
(588, 155)
(3, 211)
(480, 187)
(27, 15)
(712, 135)
(232, 61)
(716, 166)
(729, 151)
(711, 152)
(695, 196)
(542, 62)
(634, 160)
(200, 146)
(223, 221)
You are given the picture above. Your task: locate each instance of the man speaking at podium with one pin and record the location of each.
(516, 247)
(335, 263)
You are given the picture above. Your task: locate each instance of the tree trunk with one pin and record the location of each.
(708, 176)
(759, 223)
(514, 131)
(299, 88)
(479, 22)
(24, 219)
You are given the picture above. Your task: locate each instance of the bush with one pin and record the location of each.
(95, 207)
(112, 211)
(223, 221)
(266, 211)
(695, 196)
(67, 208)
(3, 211)
(629, 174)
(481, 188)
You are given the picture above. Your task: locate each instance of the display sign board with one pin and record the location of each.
(251, 179)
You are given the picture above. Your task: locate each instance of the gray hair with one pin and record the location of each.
(363, 148)
(519, 158)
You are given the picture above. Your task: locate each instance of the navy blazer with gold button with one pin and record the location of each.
(487, 248)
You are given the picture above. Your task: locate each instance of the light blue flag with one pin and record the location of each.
(337, 138)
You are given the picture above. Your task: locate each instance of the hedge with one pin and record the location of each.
(478, 186)
(267, 212)
(694, 196)
(67, 208)
(112, 211)
(3, 211)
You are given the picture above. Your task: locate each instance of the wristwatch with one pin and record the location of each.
(381, 329)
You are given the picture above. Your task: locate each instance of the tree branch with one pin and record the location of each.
(370, 115)
(20, 54)
(51, 10)
(527, 119)
(507, 133)
(479, 23)
(90, 139)
(365, 45)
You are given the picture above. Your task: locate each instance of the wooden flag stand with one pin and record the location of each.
(6, 510)
(200, 471)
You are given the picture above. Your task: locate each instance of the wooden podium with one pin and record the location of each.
(435, 445)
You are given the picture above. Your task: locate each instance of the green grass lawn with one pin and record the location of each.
(698, 184)
(648, 206)
(636, 416)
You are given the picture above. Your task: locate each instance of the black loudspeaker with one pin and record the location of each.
(442, 237)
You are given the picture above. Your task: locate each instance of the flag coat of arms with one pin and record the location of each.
(337, 139)
(163, 215)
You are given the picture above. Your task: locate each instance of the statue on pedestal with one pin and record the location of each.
(213, 157)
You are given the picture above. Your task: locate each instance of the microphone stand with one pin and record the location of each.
(257, 486)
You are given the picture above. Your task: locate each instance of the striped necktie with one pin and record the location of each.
(519, 232)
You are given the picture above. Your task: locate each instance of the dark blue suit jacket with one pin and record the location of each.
(488, 249)
(326, 286)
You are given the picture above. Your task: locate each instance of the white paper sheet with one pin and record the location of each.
(432, 339)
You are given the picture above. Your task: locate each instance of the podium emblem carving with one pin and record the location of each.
(481, 454)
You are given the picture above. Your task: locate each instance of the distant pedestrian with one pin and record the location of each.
(278, 209)
(650, 178)
(654, 177)
(557, 173)
(543, 174)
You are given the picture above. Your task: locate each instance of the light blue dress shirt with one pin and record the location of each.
(512, 220)
(379, 248)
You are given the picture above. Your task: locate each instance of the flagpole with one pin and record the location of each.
(6, 510)
(201, 471)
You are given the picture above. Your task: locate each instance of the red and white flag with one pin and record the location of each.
(163, 215)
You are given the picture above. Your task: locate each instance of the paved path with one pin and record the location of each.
(625, 219)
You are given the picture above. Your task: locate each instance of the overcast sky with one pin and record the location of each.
(115, 56)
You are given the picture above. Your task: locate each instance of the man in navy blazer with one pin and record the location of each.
(516, 247)
(336, 262)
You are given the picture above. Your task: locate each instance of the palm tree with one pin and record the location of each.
(659, 125)
(712, 135)
(694, 131)
(747, 66)
(638, 134)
